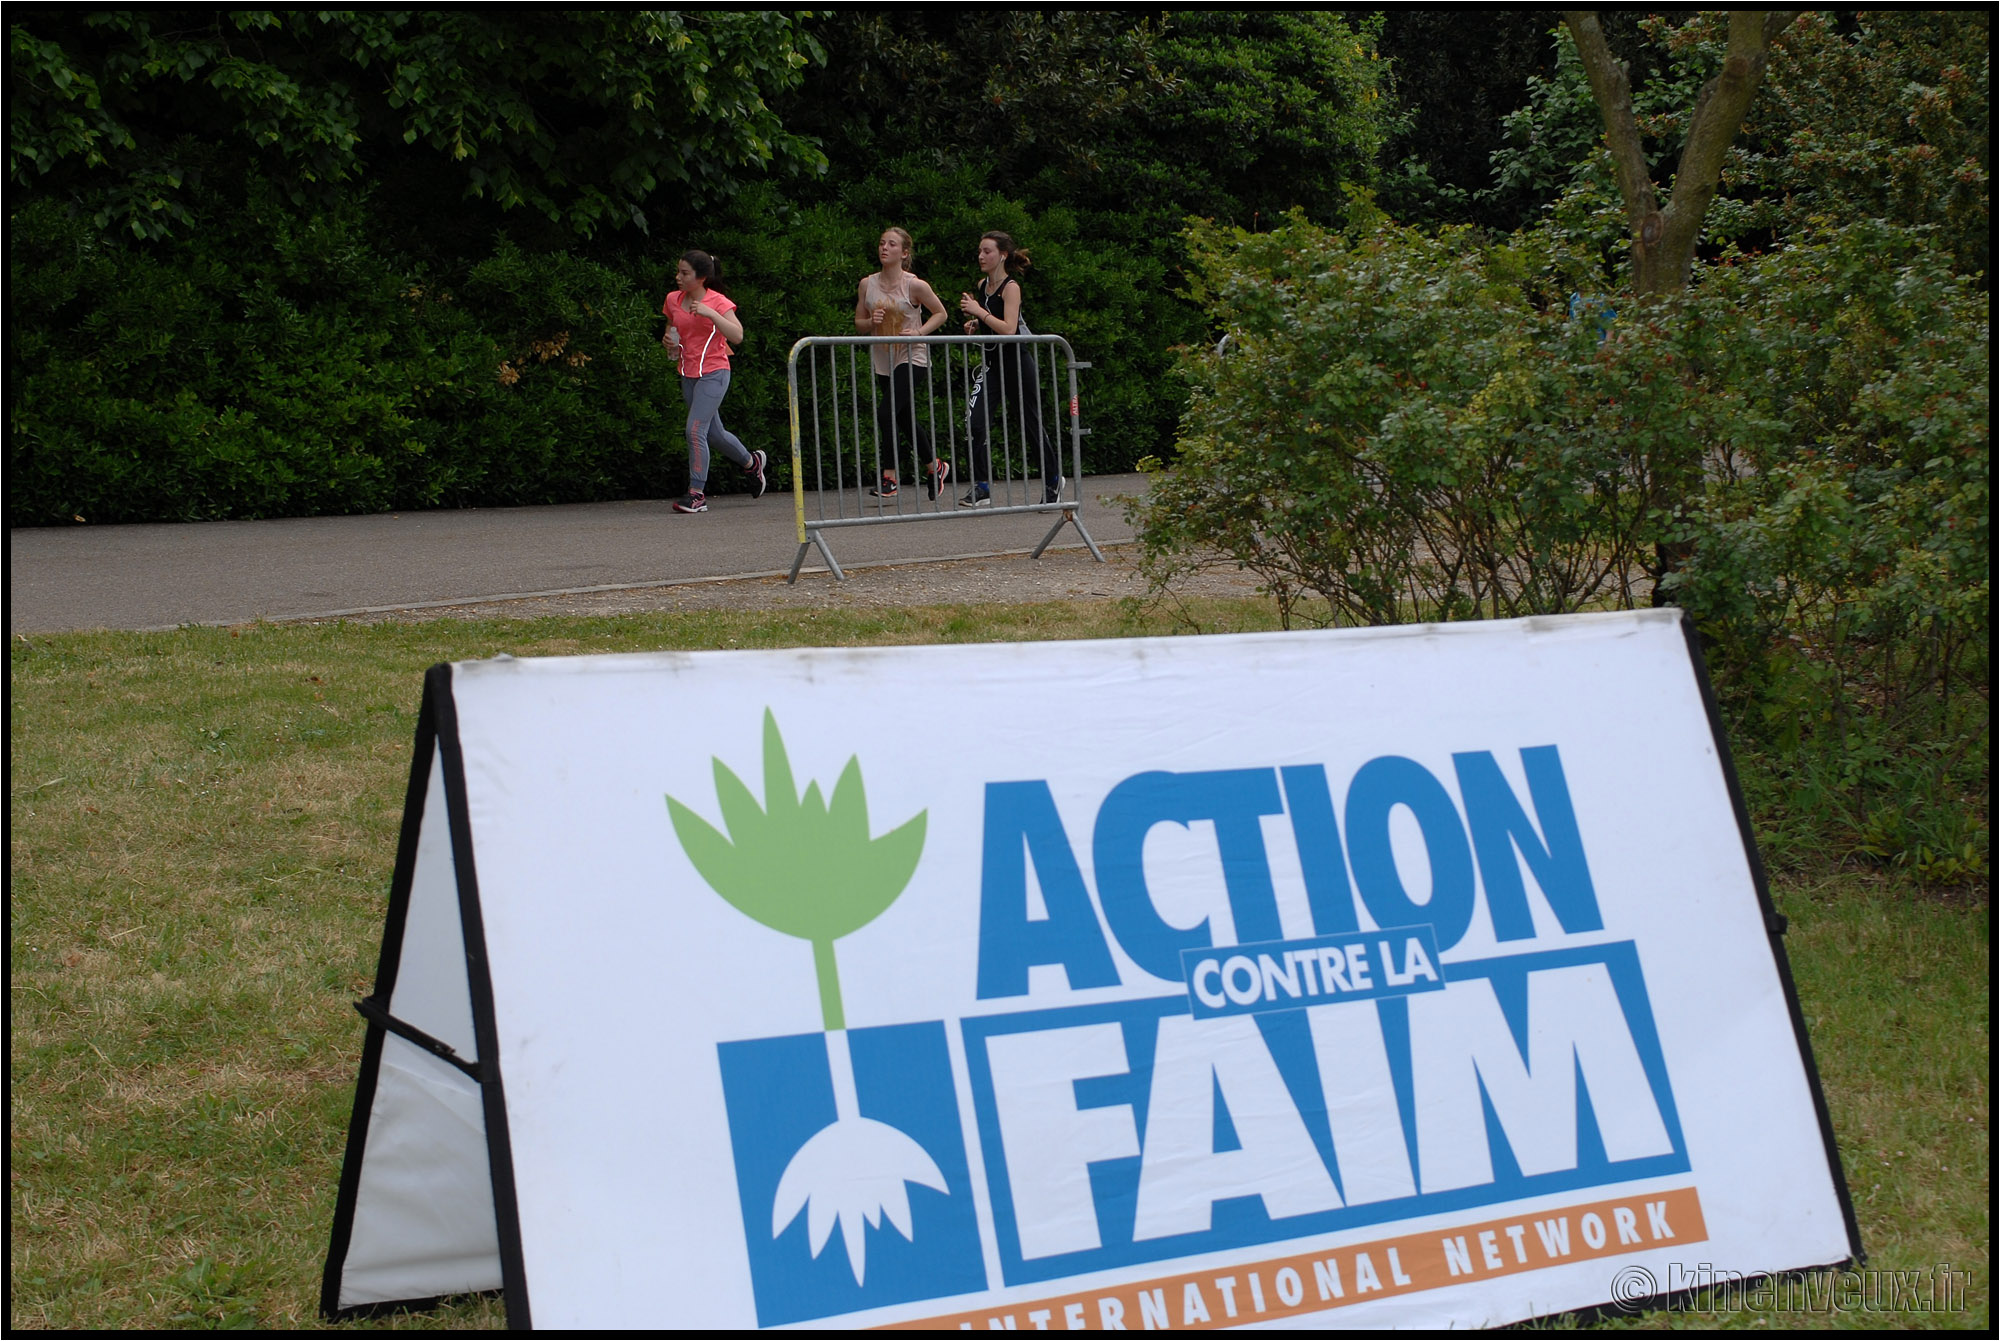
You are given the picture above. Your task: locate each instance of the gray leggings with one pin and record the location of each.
(704, 401)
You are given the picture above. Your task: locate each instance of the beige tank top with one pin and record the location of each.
(901, 314)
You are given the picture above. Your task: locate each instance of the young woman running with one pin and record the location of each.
(701, 326)
(1009, 372)
(895, 302)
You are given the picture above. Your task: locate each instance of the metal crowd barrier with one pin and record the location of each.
(857, 426)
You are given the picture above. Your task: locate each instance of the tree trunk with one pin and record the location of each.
(1663, 240)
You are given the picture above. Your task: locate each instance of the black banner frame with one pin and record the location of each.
(436, 737)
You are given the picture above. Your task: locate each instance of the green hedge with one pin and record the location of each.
(279, 362)
(272, 365)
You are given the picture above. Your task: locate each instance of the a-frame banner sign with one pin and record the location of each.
(1420, 976)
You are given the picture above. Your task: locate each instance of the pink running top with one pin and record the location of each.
(704, 349)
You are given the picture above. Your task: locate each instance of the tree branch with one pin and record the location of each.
(1718, 114)
(1776, 22)
(1663, 242)
(1613, 91)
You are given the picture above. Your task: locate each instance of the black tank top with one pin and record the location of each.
(996, 303)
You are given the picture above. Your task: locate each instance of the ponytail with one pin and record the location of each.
(705, 267)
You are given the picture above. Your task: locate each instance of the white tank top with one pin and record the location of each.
(902, 314)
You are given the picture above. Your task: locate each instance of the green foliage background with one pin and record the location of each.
(292, 263)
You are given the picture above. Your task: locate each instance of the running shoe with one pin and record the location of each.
(691, 502)
(940, 475)
(978, 496)
(1052, 493)
(886, 488)
(757, 484)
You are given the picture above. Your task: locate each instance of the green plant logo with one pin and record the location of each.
(807, 867)
(800, 864)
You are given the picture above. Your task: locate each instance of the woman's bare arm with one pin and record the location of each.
(726, 322)
(865, 317)
(928, 300)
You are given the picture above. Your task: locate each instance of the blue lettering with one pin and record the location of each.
(1235, 801)
(1320, 858)
(1497, 830)
(1157, 1135)
(1499, 826)
(1021, 822)
(1381, 786)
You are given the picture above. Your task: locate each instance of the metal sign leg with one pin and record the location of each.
(1069, 518)
(827, 555)
(798, 560)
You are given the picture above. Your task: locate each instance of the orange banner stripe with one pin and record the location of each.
(1286, 1287)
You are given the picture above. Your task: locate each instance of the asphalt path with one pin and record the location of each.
(163, 576)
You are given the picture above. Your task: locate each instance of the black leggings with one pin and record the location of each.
(1016, 379)
(896, 419)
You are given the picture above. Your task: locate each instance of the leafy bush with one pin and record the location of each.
(213, 317)
(576, 115)
(1410, 426)
(1840, 558)
(1886, 116)
(279, 364)
(588, 406)
(1404, 425)
(247, 377)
